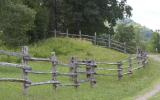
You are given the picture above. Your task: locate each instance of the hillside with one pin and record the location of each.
(108, 87)
(65, 48)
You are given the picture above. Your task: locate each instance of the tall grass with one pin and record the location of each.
(66, 48)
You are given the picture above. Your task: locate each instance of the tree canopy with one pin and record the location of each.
(125, 33)
(16, 20)
(33, 20)
(154, 44)
(90, 15)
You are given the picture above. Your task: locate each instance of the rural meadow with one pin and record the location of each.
(79, 50)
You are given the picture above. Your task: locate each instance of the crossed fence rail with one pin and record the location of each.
(90, 68)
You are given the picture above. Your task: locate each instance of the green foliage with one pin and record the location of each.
(1, 37)
(34, 4)
(140, 38)
(17, 19)
(125, 33)
(41, 23)
(34, 20)
(89, 16)
(142, 33)
(154, 45)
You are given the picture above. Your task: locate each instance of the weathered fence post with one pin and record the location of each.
(143, 60)
(125, 47)
(95, 38)
(93, 80)
(72, 65)
(80, 34)
(143, 63)
(73, 72)
(109, 40)
(25, 62)
(54, 73)
(55, 33)
(129, 65)
(139, 56)
(90, 71)
(120, 73)
(67, 32)
(146, 58)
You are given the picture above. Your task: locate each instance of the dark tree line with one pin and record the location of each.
(32, 20)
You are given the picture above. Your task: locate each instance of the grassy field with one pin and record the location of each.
(107, 88)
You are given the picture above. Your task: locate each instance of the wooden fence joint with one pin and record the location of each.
(54, 64)
(90, 72)
(25, 73)
(129, 65)
(73, 69)
(120, 74)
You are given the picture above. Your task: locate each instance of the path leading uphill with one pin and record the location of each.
(156, 89)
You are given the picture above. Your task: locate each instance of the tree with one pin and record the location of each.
(17, 19)
(125, 33)
(142, 33)
(33, 20)
(90, 15)
(155, 42)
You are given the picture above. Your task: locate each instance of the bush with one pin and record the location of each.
(18, 20)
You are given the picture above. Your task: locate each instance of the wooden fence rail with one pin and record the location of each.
(105, 41)
(89, 68)
(11, 53)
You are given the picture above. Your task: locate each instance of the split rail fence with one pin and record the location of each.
(104, 41)
(89, 68)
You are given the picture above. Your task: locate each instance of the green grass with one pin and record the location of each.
(156, 97)
(66, 48)
(107, 88)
